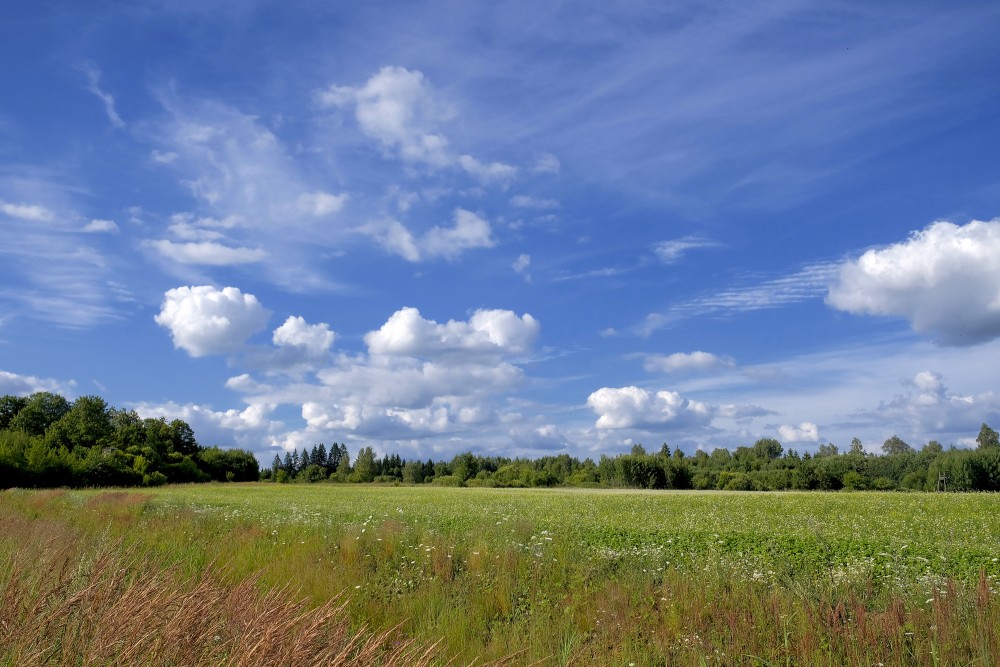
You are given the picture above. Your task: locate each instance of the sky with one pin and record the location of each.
(512, 228)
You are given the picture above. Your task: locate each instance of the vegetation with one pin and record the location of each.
(547, 576)
(47, 441)
(765, 466)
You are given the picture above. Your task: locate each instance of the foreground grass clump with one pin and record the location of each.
(70, 601)
(549, 577)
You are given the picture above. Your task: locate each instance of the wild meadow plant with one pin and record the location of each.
(397, 575)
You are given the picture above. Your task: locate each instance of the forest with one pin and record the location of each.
(49, 441)
(764, 466)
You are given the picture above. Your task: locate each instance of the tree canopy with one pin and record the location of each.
(46, 440)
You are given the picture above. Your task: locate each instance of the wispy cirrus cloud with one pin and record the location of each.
(812, 281)
(56, 274)
(671, 252)
(93, 76)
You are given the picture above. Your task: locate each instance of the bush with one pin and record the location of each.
(155, 478)
(853, 481)
(883, 484)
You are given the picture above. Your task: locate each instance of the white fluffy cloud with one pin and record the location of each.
(545, 438)
(804, 432)
(488, 172)
(321, 203)
(204, 320)
(521, 266)
(468, 231)
(246, 428)
(26, 211)
(633, 407)
(929, 407)
(100, 226)
(398, 108)
(681, 361)
(945, 280)
(407, 333)
(314, 339)
(419, 378)
(22, 385)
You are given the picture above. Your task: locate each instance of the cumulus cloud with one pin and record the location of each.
(546, 163)
(492, 172)
(245, 428)
(26, 211)
(100, 226)
(22, 385)
(930, 407)
(545, 438)
(419, 378)
(673, 251)
(398, 108)
(944, 279)
(804, 432)
(407, 333)
(633, 407)
(321, 203)
(204, 320)
(521, 265)
(296, 332)
(208, 253)
(681, 361)
(468, 231)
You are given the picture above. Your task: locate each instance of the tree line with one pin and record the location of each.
(764, 466)
(48, 441)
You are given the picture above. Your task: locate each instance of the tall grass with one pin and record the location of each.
(66, 600)
(158, 579)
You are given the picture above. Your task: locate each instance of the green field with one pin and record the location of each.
(575, 576)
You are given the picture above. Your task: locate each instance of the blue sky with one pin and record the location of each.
(519, 229)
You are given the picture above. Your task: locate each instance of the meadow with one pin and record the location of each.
(400, 575)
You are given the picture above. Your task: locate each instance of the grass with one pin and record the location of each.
(520, 576)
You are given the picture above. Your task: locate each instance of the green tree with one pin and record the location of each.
(464, 466)
(856, 446)
(767, 448)
(413, 472)
(182, 438)
(895, 445)
(987, 437)
(364, 466)
(86, 424)
(41, 410)
(827, 449)
(9, 407)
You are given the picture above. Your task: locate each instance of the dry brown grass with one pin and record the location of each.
(64, 603)
(115, 608)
